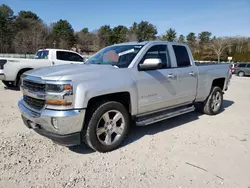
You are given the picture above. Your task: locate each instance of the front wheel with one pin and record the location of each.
(107, 127)
(241, 74)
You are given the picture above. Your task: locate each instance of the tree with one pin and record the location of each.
(218, 46)
(181, 39)
(25, 19)
(145, 31)
(204, 37)
(204, 40)
(119, 34)
(6, 28)
(105, 34)
(191, 39)
(85, 30)
(170, 35)
(86, 40)
(132, 33)
(31, 39)
(63, 34)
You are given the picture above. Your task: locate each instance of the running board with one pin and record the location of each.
(166, 114)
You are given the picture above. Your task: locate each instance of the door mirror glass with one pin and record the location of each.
(150, 64)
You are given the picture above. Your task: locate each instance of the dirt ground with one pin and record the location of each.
(192, 150)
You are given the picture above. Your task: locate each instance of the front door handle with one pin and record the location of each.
(192, 73)
(171, 76)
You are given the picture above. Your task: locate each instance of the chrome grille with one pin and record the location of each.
(36, 104)
(32, 86)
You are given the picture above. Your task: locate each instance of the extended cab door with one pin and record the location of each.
(248, 69)
(66, 57)
(157, 89)
(187, 73)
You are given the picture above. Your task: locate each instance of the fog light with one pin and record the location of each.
(54, 123)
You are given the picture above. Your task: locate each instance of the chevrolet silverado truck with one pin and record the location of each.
(12, 68)
(125, 84)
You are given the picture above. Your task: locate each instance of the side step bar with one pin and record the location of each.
(166, 114)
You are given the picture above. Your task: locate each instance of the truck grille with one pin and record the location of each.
(36, 104)
(32, 86)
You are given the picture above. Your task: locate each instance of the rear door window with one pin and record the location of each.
(248, 65)
(242, 65)
(182, 57)
(68, 56)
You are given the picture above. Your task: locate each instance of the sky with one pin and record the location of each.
(221, 17)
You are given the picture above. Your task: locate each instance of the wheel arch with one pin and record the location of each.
(20, 72)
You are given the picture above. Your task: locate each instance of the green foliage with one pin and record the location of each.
(28, 15)
(120, 34)
(26, 20)
(26, 33)
(6, 28)
(205, 37)
(181, 39)
(85, 30)
(105, 36)
(63, 34)
(191, 38)
(170, 35)
(145, 31)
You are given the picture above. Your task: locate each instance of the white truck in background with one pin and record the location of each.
(12, 68)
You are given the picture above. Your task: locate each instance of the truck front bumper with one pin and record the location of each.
(62, 127)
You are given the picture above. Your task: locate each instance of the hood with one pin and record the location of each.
(68, 71)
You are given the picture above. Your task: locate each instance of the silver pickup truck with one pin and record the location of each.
(123, 84)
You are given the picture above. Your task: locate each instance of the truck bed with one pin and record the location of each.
(207, 73)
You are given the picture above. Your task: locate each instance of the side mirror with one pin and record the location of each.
(150, 64)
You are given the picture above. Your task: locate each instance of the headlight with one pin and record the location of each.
(57, 88)
(59, 94)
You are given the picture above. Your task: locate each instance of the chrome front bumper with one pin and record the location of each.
(53, 122)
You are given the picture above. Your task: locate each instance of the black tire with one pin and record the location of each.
(94, 115)
(241, 74)
(8, 84)
(208, 104)
(18, 84)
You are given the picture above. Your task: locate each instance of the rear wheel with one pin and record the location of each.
(213, 104)
(241, 74)
(106, 126)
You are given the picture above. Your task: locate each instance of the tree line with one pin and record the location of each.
(26, 33)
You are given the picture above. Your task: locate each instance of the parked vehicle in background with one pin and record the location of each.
(142, 82)
(12, 68)
(233, 67)
(243, 69)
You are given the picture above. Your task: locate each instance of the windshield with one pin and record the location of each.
(120, 56)
(42, 54)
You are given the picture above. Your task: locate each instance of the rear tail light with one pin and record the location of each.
(2, 62)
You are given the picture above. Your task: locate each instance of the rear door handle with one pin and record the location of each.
(192, 73)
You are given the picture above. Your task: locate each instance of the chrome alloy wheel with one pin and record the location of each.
(216, 101)
(110, 127)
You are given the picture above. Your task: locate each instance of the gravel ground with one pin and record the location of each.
(192, 150)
